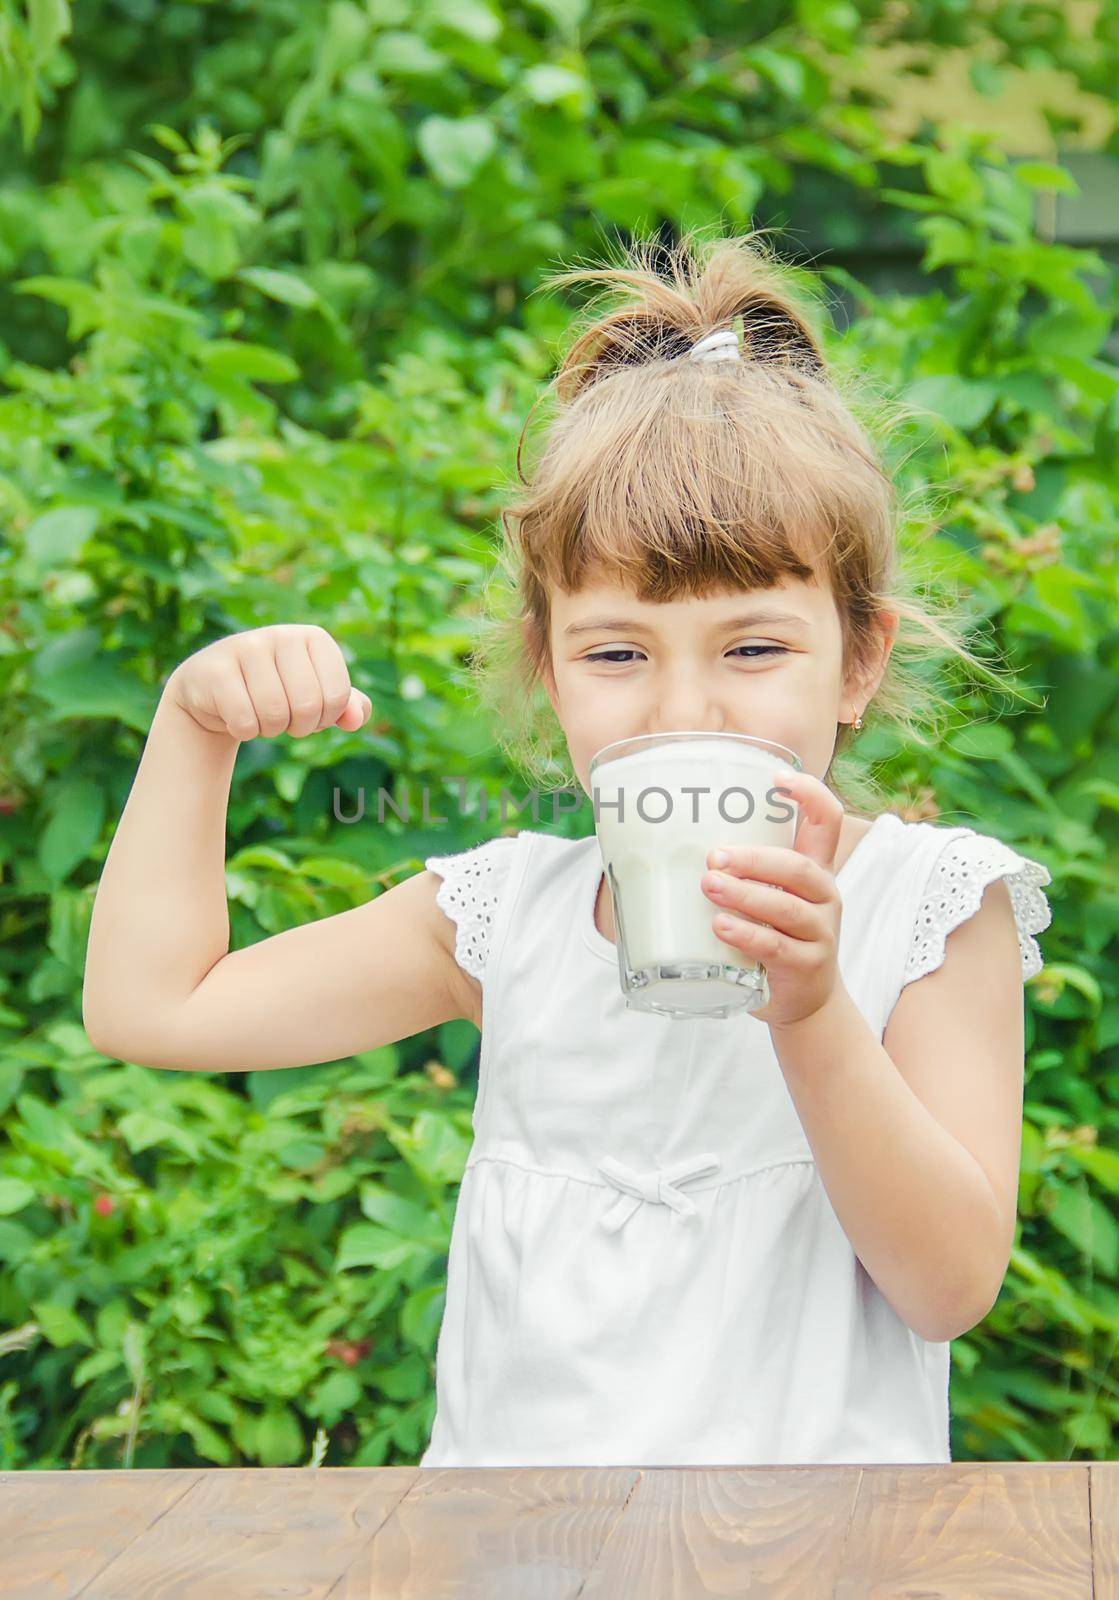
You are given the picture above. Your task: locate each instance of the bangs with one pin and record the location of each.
(673, 485)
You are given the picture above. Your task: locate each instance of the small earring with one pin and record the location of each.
(858, 722)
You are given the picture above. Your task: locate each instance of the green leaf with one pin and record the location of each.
(339, 1392)
(398, 53)
(545, 84)
(1067, 972)
(783, 70)
(263, 855)
(209, 1443)
(468, 17)
(73, 827)
(82, 300)
(340, 874)
(1069, 331)
(76, 681)
(241, 403)
(15, 1242)
(567, 14)
(1089, 1225)
(949, 242)
(1088, 1430)
(140, 1130)
(458, 1040)
(169, 138)
(440, 1152)
(394, 1212)
(1103, 1165)
(95, 1365)
(267, 1086)
(455, 149)
(406, 1379)
(1045, 175)
(421, 1315)
(953, 177)
(234, 358)
(50, 23)
(279, 1438)
(378, 1066)
(299, 1155)
(964, 402)
(363, 1244)
(57, 537)
(14, 1195)
(284, 286)
(982, 740)
(60, 1325)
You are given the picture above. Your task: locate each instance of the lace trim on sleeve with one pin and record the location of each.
(469, 894)
(955, 889)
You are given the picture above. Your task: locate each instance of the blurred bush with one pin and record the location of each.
(267, 344)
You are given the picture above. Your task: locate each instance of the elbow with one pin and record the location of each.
(976, 1297)
(952, 1321)
(98, 1027)
(116, 1044)
(977, 1311)
(944, 1329)
(94, 1031)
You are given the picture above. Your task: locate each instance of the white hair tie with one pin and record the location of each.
(722, 345)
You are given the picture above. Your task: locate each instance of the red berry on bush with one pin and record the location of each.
(351, 1351)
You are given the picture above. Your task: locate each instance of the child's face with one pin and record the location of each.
(683, 665)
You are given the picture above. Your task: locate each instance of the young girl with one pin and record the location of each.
(743, 1240)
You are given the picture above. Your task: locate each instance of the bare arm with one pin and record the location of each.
(162, 987)
(160, 919)
(917, 1137)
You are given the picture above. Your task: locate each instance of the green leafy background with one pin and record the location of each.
(267, 341)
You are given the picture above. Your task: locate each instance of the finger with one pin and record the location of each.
(266, 688)
(778, 865)
(767, 945)
(237, 706)
(301, 684)
(820, 819)
(334, 681)
(788, 913)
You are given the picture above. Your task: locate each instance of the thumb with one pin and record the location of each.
(820, 816)
(358, 707)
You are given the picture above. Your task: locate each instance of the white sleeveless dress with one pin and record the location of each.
(645, 1268)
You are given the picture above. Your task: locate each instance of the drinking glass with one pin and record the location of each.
(661, 803)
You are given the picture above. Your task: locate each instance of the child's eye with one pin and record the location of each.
(757, 649)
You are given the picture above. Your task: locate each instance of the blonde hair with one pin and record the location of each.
(682, 478)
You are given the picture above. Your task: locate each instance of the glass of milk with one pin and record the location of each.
(661, 803)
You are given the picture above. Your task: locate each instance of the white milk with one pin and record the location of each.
(655, 867)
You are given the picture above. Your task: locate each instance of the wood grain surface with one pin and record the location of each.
(966, 1531)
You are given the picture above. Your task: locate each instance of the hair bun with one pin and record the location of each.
(665, 311)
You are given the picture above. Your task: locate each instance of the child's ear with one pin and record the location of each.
(888, 622)
(863, 684)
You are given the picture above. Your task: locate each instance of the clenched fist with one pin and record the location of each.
(288, 678)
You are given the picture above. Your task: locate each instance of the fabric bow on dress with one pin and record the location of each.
(660, 1185)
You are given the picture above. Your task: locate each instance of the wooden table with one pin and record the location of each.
(1016, 1531)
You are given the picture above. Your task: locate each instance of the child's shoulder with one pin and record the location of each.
(954, 837)
(954, 863)
(493, 858)
(474, 884)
